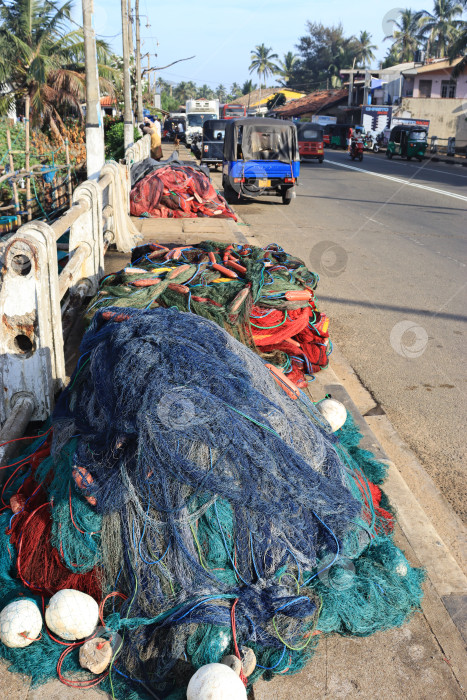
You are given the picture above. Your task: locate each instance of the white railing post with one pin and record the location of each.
(87, 231)
(123, 232)
(31, 342)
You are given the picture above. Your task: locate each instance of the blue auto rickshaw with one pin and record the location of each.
(260, 157)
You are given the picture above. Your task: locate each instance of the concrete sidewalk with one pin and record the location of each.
(424, 659)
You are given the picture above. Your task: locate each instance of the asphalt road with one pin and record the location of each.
(388, 240)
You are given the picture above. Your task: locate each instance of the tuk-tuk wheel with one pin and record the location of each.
(419, 159)
(389, 154)
(409, 157)
(230, 194)
(285, 199)
(320, 160)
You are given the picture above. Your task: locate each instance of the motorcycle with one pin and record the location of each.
(356, 150)
(368, 142)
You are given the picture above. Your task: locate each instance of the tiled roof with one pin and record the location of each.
(108, 101)
(315, 102)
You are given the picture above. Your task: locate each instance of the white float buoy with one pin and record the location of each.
(215, 682)
(20, 623)
(72, 614)
(334, 412)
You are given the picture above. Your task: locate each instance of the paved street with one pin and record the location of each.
(388, 240)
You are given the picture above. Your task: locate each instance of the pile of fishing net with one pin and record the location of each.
(264, 297)
(177, 191)
(203, 506)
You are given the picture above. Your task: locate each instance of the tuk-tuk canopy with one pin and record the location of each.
(414, 132)
(214, 129)
(261, 139)
(307, 131)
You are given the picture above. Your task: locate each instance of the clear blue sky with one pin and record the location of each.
(222, 34)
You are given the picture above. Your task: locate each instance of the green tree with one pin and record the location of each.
(247, 87)
(459, 48)
(406, 36)
(286, 68)
(390, 59)
(206, 92)
(262, 63)
(364, 49)
(441, 27)
(276, 100)
(184, 91)
(235, 90)
(42, 59)
(221, 92)
(323, 53)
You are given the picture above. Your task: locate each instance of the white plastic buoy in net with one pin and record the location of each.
(334, 412)
(72, 614)
(215, 682)
(20, 623)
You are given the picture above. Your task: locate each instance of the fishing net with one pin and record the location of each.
(177, 191)
(264, 297)
(180, 475)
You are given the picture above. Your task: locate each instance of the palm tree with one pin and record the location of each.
(459, 48)
(406, 36)
(262, 63)
(185, 91)
(247, 87)
(221, 92)
(42, 61)
(364, 49)
(206, 92)
(441, 27)
(344, 55)
(286, 67)
(235, 90)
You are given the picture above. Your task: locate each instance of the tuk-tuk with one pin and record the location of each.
(260, 157)
(407, 141)
(310, 141)
(170, 129)
(339, 134)
(212, 147)
(327, 129)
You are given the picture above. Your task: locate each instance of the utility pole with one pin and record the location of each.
(131, 53)
(127, 114)
(367, 86)
(95, 151)
(149, 76)
(139, 90)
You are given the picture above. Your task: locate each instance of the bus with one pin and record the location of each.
(232, 111)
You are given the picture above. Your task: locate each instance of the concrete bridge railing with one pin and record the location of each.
(35, 295)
